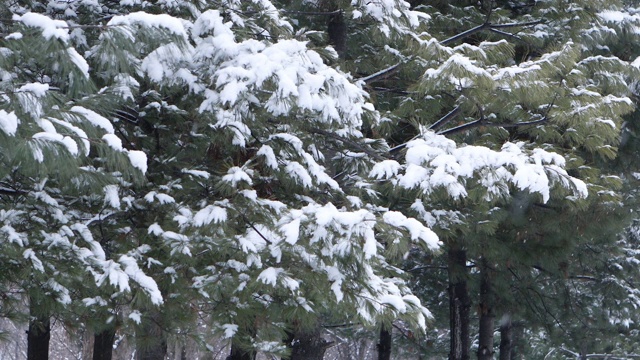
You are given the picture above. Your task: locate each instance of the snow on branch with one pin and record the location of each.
(434, 162)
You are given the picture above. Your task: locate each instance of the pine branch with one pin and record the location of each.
(525, 24)
(12, 192)
(351, 143)
(462, 127)
(445, 119)
(381, 74)
(489, 26)
(465, 34)
(482, 122)
(419, 268)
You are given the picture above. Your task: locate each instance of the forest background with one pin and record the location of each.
(321, 178)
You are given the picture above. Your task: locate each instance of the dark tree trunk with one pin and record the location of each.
(38, 337)
(459, 304)
(485, 341)
(518, 342)
(307, 345)
(238, 354)
(103, 344)
(506, 337)
(384, 346)
(337, 31)
(152, 352)
(151, 339)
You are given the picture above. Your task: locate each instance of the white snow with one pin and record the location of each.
(229, 330)
(138, 160)
(291, 231)
(37, 89)
(415, 228)
(113, 141)
(436, 162)
(94, 118)
(197, 173)
(50, 28)
(385, 169)
(147, 284)
(9, 122)
(111, 196)
(210, 214)
(140, 18)
(135, 316)
(79, 61)
(269, 275)
(236, 174)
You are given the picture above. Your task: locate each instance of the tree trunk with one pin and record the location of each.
(459, 304)
(38, 338)
(485, 341)
(307, 345)
(518, 342)
(103, 344)
(151, 341)
(337, 31)
(384, 346)
(506, 337)
(583, 348)
(238, 354)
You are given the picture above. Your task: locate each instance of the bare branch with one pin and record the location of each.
(351, 143)
(465, 34)
(381, 74)
(512, 25)
(445, 119)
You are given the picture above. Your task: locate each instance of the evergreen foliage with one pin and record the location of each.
(269, 167)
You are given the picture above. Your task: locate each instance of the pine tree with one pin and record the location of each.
(511, 76)
(57, 157)
(255, 210)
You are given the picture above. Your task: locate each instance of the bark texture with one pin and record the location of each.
(459, 304)
(38, 338)
(487, 317)
(151, 339)
(337, 31)
(103, 344)
(506, 337)
(308, 345)
(239, 354)
(384, 346)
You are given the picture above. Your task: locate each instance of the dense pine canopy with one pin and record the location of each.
(287, 177)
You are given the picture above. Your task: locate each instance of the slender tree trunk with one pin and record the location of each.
(459, 304)
(39, 333)
(337, 31)
(103, 344)
(506, 337)
(384, 346)
(307, 345)
(485, 342)
(238, 354)
(518, 342)
(584, 348)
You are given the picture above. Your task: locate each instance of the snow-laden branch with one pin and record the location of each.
(433, 162)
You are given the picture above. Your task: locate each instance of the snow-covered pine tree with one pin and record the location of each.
(255, 211)
(549, 88)
(58, 159)
(512, 76)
